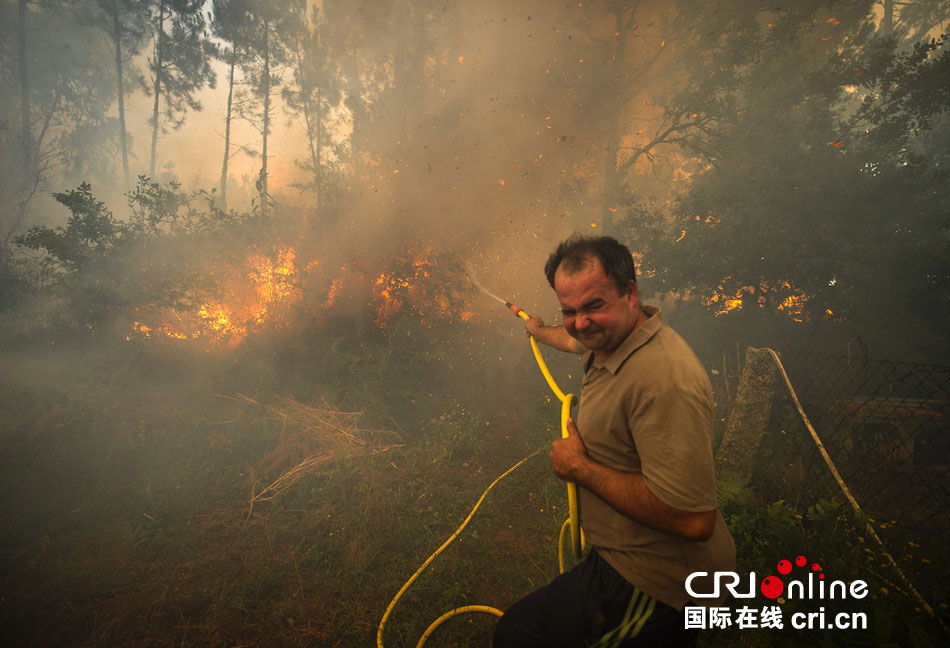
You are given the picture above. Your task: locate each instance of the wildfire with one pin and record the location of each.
(261, 289)
(335, 287)
(218, 319)
(407, 282)
(267, 284)
(384, 291)
(725, 303)
(792, 304)
(147, 332)
(275, 281)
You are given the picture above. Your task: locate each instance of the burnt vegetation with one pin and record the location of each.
(248, 383)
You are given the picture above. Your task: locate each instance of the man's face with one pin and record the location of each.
(594, 311)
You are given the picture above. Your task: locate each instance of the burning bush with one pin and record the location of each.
(170, 272)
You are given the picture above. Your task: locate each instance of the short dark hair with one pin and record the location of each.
(613, 255)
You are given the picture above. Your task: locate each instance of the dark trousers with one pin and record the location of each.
(591, 605)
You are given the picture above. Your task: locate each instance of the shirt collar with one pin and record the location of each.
(637, 338)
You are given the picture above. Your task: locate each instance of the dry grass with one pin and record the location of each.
(310, 439)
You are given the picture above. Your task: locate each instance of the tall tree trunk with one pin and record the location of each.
(227, 133)
(315, 153)
(887, 20)
(610, 199)
(266, 90)
(313, 136)
(117, 38)
(354, 101)
(29, 177)
(312, 121)
(26, 134)
(158, 83)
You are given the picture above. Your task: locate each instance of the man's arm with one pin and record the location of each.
(553, 336)
(627, 492)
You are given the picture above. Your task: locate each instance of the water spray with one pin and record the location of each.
(572, 522)
(471, 275)
(567, 400)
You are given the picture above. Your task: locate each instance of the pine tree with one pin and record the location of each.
(180, 65)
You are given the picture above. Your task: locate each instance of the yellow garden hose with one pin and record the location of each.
(572, 522)
(467, 608)
(567, 400)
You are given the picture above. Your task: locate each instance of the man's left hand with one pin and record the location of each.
(569, 456)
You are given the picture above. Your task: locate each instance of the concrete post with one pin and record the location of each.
(749, 417)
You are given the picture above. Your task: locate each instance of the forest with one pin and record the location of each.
(253, 364)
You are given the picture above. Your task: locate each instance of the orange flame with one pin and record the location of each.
(409, 284)
(726, 303)
(268, 285)
(792, 304)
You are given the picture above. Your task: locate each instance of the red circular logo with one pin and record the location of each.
(772, 587)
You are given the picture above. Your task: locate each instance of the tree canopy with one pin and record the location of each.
(782, 163)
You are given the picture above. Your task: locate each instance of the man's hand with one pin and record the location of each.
(627, 492)
(569, 456)
(533, 325)
(553, 336)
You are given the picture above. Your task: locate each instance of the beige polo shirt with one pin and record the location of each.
(649, 409)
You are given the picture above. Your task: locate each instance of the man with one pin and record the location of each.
(641, 456)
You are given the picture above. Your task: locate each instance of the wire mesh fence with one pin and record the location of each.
(885, 426)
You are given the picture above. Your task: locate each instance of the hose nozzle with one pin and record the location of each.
(516, 310)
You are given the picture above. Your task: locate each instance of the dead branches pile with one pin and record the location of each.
(310, 438)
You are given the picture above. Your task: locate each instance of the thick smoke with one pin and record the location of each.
(778, 173)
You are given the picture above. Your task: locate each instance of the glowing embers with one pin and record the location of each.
(256, 293)
(274, 279)
(407, 281)
(335, 287)
(416, 288)
(790, 300)
(147, 332)
(722, 302)
(794, 305)
(386, 291)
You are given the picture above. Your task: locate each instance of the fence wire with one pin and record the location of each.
(885, 426)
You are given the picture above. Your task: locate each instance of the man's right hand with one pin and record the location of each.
(533, 325)
(553, 336)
